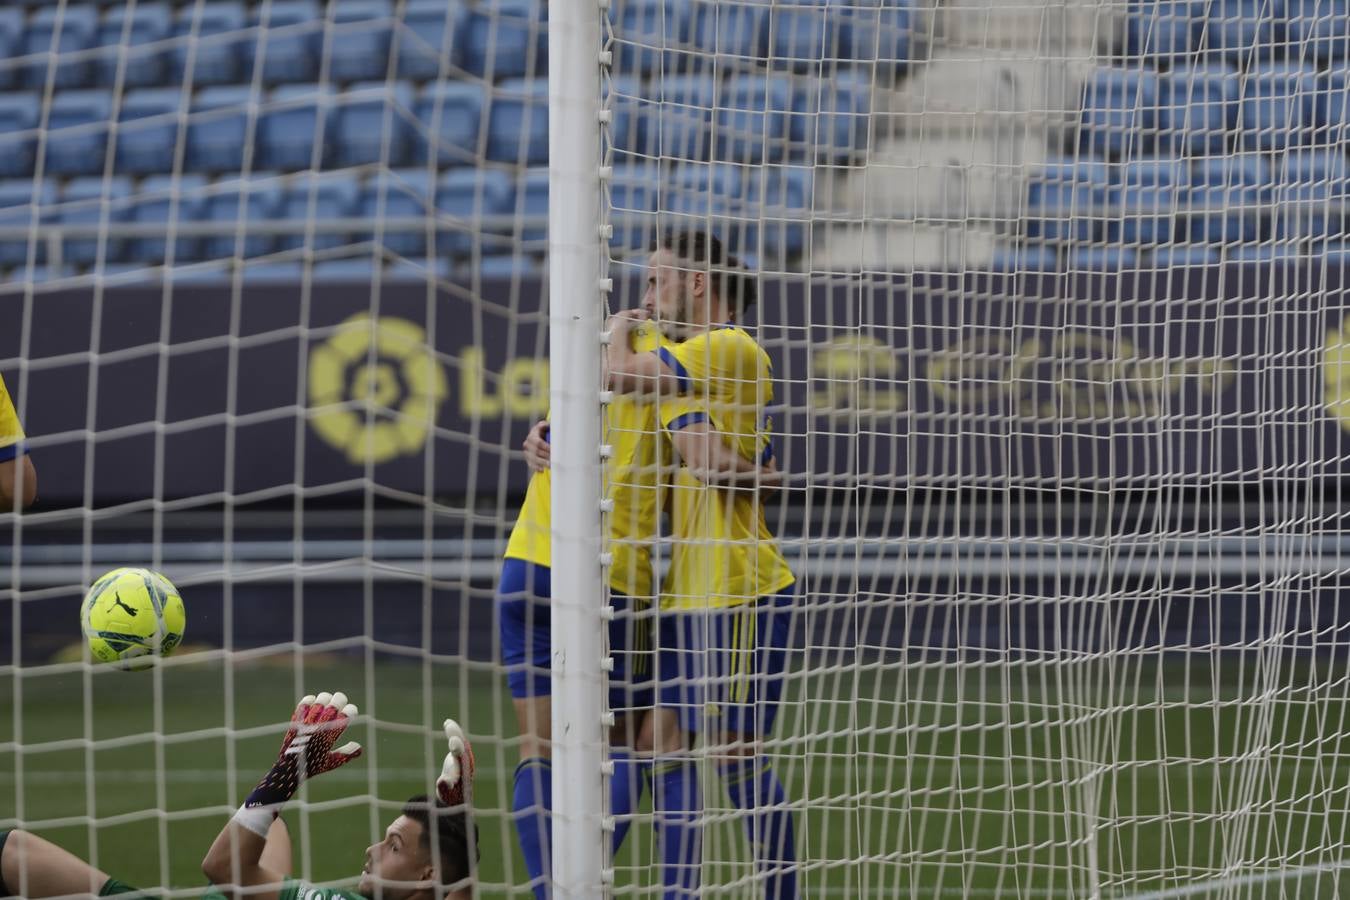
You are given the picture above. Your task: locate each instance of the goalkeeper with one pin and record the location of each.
(18, 478)
(427, 852)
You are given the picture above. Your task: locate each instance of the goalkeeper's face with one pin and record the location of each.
(400, 866)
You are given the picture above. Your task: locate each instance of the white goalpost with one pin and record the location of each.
(1054, 295)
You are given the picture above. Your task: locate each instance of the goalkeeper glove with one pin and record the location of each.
(455, 786)
(306, 751)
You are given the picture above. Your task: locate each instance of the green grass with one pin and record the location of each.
(916, 781)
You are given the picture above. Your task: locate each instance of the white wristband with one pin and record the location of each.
(257, 819)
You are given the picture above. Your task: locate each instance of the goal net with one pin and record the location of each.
(1053, 296)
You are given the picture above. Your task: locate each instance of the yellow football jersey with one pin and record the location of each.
(632, 483)
(11, 432)
(723, 553)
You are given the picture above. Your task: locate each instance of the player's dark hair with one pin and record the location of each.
(448, 834)
(731, 280)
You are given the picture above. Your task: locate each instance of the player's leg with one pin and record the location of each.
(630, 697)
(523, 627)
(32, 867)
(668, 734)
(750, 688)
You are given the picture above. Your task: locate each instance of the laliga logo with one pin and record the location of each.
(375, 388)
(1336, 373)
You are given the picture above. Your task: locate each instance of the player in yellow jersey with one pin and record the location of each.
(18, 478)
(636, 494)
(727, 604)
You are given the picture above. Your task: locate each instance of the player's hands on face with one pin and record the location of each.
(537, 448)
(624, 321)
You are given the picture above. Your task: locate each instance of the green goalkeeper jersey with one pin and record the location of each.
(295, 889)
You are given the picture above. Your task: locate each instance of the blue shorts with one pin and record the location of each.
(524, 623)
(723, 669)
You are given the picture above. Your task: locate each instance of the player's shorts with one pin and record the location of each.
(524, 611)
(723, 669)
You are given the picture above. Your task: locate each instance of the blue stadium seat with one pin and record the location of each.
(1181, 256)
(1320, 26)
(405, 194)
(475, 197)
(219, 128)
(503, 39)
(648, 34)
(751, 121)
(1313, 187)
(218, 49)
(682, 123)
(358, 48)
(232, 200)
(518, 122)
(1120, 111)
(1199, 108)
(147, 131)
(1166, 30)
(1066, 200)
(349, 270)
(1278, 107)
(1024, 257)
(531, 207)
(451, 112)
(296, 131)
(880, 33)
(154, 204)
(23, 202)
(729, 29)
(317, 198)
(1224, 192)
(631, 114)
(287, 43)
(709, 195)
(149, 24)
(363, 135)
(1332, 109)
(632, 194)
(11, 44)
(409, 270)
(1336, 253)
(18, 133)
(783, 196)
(1264, 254)
(503, 268)
(428, 32)
(830, 117)
(1244, 31)
(65, 30)
(85, 201)
(1150, 190)
(810, 37)
(78, 132)
(1102, 259)
(274, 272)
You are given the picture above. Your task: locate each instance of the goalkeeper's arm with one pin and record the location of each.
(235, 861)
(18, 480)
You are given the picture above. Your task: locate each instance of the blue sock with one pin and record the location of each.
(754, 787)
(625, 791)
(678, 805)
(531, 801)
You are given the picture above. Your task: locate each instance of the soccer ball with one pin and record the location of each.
(130, 616)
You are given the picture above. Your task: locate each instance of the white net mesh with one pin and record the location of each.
(1053, 295)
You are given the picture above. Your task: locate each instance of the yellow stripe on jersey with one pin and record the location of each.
(632, 483)
(11, 432)
(722, 553)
